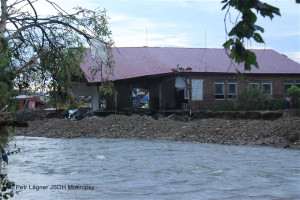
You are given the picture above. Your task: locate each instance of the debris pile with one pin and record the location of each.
(282, 132)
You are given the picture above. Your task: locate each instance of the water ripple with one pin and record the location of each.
(134, 169)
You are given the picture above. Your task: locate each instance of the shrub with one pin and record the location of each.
(249, 99)
(294, 92)
(252, 99)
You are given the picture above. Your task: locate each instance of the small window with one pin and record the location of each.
(219, 89)
(298, 83)
(287, 85)
(267, 87)
(231, 89)
(187, 90)
(254, 84)
(186, 93)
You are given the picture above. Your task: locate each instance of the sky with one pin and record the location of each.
(189, 23)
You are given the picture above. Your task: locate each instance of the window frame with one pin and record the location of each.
(298, 83)
(222, 83)
(231, 95)
(267, 82)
(187, 90)
(254, 83)
(285, 83)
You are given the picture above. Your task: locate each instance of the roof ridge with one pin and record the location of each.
(209, 48)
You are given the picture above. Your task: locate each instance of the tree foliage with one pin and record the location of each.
(45, 50)
(294, 92)
(245, 28)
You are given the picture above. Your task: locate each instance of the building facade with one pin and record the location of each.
(188, 78)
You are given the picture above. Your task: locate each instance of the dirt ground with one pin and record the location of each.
(283, 132)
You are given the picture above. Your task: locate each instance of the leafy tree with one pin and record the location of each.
(294, 91)
(245, 28)
(45, 50)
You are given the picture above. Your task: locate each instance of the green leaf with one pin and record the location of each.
(232, 54)
(240, 75)
(250, 59)
(261, 29)
(228, 43)
(239, 52)
(249, 16)
(258, 38)
(232, 32)
(269, 11)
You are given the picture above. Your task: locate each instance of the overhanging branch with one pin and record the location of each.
(15, 35)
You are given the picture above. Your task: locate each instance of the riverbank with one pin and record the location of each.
(282, 132)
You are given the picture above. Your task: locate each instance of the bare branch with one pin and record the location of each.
(15, 35)
(36, 16)
(14, 4)
(57, 7)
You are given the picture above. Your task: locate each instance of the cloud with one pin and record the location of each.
(293, 55)
(133, 31)
(44, 8)
(180, 40)
(138, 39)
(117, 18)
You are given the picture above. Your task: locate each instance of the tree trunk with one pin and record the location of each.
(3, 19)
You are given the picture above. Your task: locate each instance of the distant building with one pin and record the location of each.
(29, 102)
(185, 78)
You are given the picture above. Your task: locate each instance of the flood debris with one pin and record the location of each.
(282, 132)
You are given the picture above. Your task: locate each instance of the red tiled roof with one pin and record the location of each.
(131, 62)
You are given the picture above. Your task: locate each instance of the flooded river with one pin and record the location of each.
(133, 169)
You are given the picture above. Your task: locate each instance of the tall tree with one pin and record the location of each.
(39, 48)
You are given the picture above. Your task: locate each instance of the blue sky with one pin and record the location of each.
(190, 23)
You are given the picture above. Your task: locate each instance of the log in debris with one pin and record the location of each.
(13, 123)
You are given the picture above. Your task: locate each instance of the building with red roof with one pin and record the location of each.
(187, 78)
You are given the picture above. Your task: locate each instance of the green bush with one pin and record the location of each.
(276, 104)
(249, 99)
(294, 92)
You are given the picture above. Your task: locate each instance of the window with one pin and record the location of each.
(267, 87)
(231, 89)
(197, 89)
(287, 85)
(254, 84)
(219, 89)
(187, 90)
(186, 93)
(298, 83)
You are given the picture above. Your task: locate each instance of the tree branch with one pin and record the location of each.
(36, 16)
(14, 36)
(34, 60)
(57, 7)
